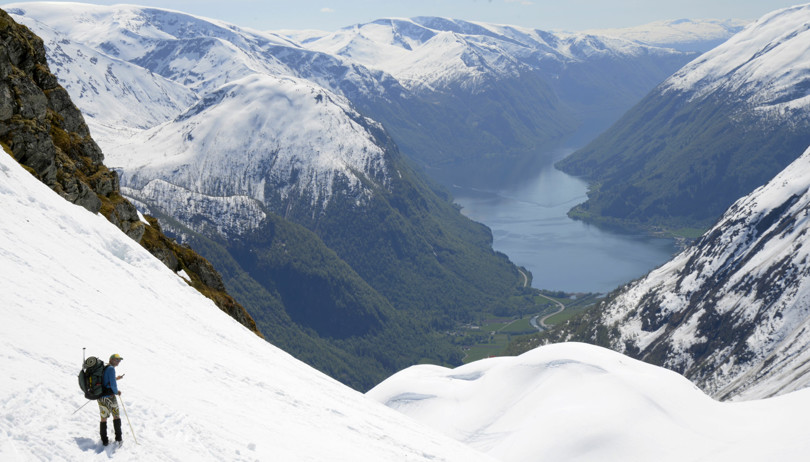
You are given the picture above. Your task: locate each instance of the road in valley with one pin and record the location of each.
(541, 324)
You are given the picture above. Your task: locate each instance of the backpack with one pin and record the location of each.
(91, 376)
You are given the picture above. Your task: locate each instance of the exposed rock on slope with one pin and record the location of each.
(42, 129)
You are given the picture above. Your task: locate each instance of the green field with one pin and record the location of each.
(491, 337)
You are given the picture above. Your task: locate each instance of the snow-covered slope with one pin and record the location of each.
(198, 386)
(140, 100)
(574, 401)
(731, 312)
(296, 131)
(196, 54)
(680, 34)
(436, 53)
(766, 66)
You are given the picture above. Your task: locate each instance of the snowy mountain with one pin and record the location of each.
(765, 67)
(732, 311)
(114, 94)
(495, 91)
(198, 385)
(299, 131)
(145, 78)
(680, 34)
(434, 54)
(452, 94)
(580, 402)
(714, 131)
(45, 132)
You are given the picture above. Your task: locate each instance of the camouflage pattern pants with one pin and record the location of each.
(108, 406)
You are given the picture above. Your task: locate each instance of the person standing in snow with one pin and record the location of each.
(108, 404)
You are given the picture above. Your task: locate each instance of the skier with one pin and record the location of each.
(108, 404)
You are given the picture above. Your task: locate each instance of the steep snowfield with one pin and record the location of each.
(767, 65)
(574, 401)
(198, 386)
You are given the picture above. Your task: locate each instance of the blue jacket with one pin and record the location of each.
(108, 383)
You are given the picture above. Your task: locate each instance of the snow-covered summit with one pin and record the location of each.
(198, 385)
(296, 130)
(128, 32)
(766, 65)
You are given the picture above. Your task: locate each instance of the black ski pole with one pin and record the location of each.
(77, 410)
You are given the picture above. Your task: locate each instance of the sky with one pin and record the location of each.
(571, 15)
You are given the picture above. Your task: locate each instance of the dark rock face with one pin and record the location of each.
(45, 132)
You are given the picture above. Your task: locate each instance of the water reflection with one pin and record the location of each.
(529, 224)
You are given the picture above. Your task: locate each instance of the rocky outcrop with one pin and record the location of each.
(45, 132)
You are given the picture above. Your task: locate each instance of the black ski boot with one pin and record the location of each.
(117, 427)
(103, 431)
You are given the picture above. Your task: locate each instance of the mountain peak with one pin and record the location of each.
(206, 151)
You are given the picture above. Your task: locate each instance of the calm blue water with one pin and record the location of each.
(529, 224)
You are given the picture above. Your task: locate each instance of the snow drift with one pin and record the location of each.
(574, 401)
